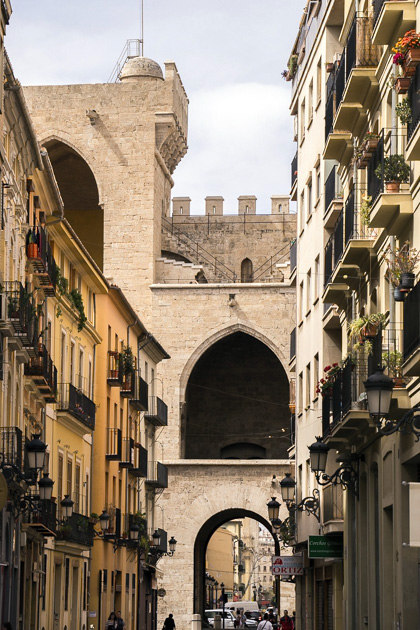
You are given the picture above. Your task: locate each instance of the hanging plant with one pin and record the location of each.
(76, 299)
(365, 209)
(366, 325)
(403, 111)
(325, 385)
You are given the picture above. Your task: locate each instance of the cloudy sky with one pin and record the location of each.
(230, 55)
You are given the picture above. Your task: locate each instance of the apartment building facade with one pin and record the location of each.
(355, 234)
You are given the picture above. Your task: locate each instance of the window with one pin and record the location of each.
(81, 371)
(66, 584)
(302, 120)
(69, 476)
(316, 373)
(90, 384)
(308, 290)
(308, 389)
(300, 305)
(77, 501)
(300, 393)
(302, 210)
(318, 184)
(311, 102)
(318, 81)
(310, 201)
(316, 279)
(72, 362)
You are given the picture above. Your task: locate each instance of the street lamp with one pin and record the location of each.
(156, 538)
(345, 474)
(36, 450)
(308, 504)
(172, 545)
(45, 485)
(67, 506)
(379, 392)
(273, 509)
(104, 520)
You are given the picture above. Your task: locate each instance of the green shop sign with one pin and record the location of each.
(326, 546)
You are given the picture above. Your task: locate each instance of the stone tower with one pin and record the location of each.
(114, 148)
(217, 291)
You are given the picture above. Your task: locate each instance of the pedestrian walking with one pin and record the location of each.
(286, 622)
(169, 623)
(120, 621)
(265, 624)
(237, 622)
(294, 619)
(111, 622)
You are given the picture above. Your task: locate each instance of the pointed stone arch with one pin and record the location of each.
(80, 192)
(235, 400)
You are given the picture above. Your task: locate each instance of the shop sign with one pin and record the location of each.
(326, 546)
(287, 565)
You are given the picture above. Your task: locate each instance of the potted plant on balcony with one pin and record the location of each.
(32, 249)
(325, 385)
(128, 365)
(403, 111)
(366, 326)
(393, 362)
(370, 142)
(401, 266)
(407, 52)
(394, 171)
(365, 209)
(292, 66)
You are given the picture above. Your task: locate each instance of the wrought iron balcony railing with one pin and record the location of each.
(157, 475)
(113, 444)
(77, 529)
(44, 374)
(157, 412)
(11, 446)
(293, 256)
(294, 169)
(414, 98)
(115, 369)
(293, 344)
(22, 314)
(139, 468)
(140, 398)
(39, 254)
(43, 518)
(80, 406)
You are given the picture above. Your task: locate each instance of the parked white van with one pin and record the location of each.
(241, 605)
(228, 615)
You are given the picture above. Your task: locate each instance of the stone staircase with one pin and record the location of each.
(170, 271)
(213, 270)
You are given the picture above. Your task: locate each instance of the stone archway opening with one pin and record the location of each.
(230, 516)
(237, 402)
(79, 191)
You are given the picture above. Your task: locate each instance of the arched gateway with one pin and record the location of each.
(182, 274)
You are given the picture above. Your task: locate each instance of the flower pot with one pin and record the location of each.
(412, 58)
(113, 374)
(402, 85)
(32, 250)
(292, 408)
(398, 294)
(362, 162)
(407, 280)
(392, 187)
(329, 67)
(398, 381)
(371, 144)
(370, 330)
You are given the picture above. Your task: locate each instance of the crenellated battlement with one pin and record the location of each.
(247, 204)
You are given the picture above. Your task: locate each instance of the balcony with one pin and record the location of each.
(411, 332)
(335, 285)
(293, 262)
(21, 321)
(73, 401)
(139, 468)
(157, 412)
(157, 475)
(358, 239)
(115, 369)
(41, 260)
(127, 453)
(113, 445)
(412, 151)
(392, 19)
(294, 165)
(390, 210)
(140, 399)
(78, 529)
(42, 371)
(333, 199)
(128, 384)
(345, 419)
(331, 317)
(356, 82)
(338, 146)
(11, 446)
(43, 519)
